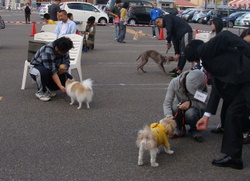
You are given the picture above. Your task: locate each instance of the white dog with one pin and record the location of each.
(149, 138)
(79, 91)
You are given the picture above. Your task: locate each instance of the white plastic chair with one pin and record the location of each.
(44, 36)
(76, 53)
(204, 36)
(48, 28)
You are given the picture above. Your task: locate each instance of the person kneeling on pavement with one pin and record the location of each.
(181, 102)
(49, 67)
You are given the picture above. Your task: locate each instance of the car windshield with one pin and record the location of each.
(233, 14)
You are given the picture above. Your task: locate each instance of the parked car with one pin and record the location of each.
(230, 20)
(215, 13)
(240, 20)
(82, 11)
(173, 11)
(197, 17)
(44, 8)
(140, 14)
(101, 6)
(111, 3)
(185, 12)
(188, 16)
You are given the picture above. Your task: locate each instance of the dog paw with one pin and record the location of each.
(170, 152)
(79, 107)
(71, 103)
(154, 164)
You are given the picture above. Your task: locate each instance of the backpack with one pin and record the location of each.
(27, 10)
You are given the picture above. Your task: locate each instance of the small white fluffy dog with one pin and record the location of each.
(79, 91)
(149, 138)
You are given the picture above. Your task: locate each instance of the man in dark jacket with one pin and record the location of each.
(227, 58)
(180, 33)
(53, 9)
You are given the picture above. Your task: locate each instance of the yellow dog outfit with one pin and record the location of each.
(160, 132)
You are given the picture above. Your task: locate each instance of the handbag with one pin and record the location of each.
(117, 20)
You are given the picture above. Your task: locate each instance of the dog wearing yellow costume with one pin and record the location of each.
(150, 138)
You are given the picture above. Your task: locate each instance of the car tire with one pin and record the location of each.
(103, 21)
(230, 24)
(199, 21)
(132, 21)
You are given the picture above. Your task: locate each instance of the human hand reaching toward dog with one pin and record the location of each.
(202, 123)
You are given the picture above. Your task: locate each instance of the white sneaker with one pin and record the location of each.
(42, 97)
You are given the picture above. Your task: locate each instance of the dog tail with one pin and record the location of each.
(138, 58)
(87, 83)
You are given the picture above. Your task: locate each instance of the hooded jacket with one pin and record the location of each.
(176, 92)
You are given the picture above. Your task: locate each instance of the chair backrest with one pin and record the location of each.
(76, 52)
(48, 28)
(204, 36)
(34, 45)
(45, 36)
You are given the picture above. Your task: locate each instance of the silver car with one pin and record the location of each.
(197, 17)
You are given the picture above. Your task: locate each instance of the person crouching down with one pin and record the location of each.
(49, 67)
(181, 102)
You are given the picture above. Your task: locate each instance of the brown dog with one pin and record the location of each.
(156, 56)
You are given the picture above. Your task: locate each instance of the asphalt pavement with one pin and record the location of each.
(53, 141)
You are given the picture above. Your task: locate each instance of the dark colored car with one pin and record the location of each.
(229, 21)
(140, 14)
(173, 11)
(216, 13)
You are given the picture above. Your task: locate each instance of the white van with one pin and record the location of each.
(82, 11)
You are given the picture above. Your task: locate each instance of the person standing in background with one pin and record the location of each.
(54, 9)
(123, 22)
(115, 12)
(154, 13)
(27, 12)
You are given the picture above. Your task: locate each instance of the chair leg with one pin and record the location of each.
(25, 72)
(79, 73)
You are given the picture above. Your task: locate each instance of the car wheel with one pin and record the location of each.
(230, 24)
(103, 21)
(132, 21)
(199, 21)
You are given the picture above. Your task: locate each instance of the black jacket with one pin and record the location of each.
(176, 27)
(227, 57)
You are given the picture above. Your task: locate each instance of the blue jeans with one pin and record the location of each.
(192, 116)
(153, 27)
(43, 78)
(117, 30)
(122, 32)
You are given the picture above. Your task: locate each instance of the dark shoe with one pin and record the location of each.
(217, 130)
(228, 161)
(198, 138)
(174, 75)
(174, 71)
(246, 140)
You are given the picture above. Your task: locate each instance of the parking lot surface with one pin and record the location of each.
(53, 141)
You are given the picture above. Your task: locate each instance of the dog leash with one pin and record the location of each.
(167, 50)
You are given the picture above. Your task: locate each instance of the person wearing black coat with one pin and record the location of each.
(227, 58)
(180, 33)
